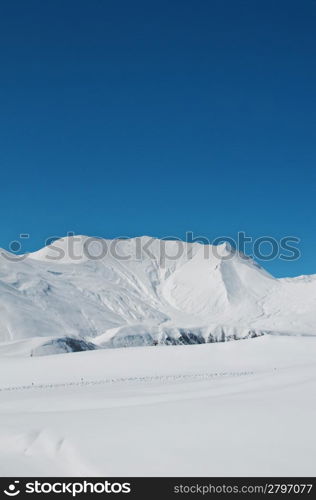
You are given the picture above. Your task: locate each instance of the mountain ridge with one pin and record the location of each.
(159, 296)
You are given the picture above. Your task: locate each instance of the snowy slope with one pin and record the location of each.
(144, 300)
(242, 408)
(220, 409)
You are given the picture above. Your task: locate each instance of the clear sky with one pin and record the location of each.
(123, 118)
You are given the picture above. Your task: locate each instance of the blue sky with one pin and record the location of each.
(123, 118)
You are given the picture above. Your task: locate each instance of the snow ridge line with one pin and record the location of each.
(145, 379)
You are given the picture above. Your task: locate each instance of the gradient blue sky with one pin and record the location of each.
(159, 117)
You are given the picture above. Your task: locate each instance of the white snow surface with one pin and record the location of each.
(145, 299)
(244, 408)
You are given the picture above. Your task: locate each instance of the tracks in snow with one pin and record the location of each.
(143, 379)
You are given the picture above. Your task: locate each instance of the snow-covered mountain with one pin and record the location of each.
(205, 294)
(121, 396)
